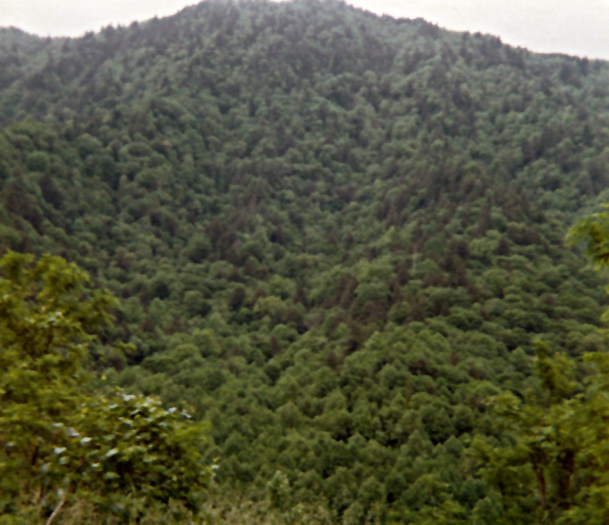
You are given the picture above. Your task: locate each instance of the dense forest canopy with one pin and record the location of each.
(336, 236)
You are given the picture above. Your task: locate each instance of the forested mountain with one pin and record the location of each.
(334, 235)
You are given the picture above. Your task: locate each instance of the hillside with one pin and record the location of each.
(334, 235)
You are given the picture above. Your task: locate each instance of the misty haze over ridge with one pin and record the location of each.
(541, 26)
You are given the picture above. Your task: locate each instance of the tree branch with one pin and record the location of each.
(57, 509)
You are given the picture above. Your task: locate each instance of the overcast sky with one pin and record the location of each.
(579, 27)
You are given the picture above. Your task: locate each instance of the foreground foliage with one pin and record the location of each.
(555, 467)
(554, 470)
(61, 442)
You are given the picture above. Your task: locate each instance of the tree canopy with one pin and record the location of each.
(335, 236)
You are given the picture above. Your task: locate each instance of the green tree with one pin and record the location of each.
(60, 441)
(554, 469)
(594, 232)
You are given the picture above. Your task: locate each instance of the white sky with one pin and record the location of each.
(579, 27)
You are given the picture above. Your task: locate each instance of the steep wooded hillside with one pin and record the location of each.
(334, 235)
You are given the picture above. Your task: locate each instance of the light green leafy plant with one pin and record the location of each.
(60, 441)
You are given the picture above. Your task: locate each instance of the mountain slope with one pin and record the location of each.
(333, 234)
